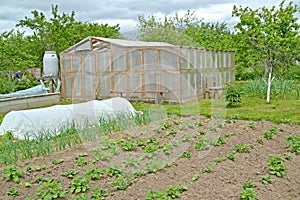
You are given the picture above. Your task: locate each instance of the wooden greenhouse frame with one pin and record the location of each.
(99, 68)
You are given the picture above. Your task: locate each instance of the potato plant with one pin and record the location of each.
(13, 192)
(171, 193)
(70, 174)
(242, 148)
(267, 179)
(13, 173)
(293, 142)
(276, 166)
(51, 190)
(79, 184)
(248, 192)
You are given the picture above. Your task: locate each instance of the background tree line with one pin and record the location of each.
(266, 41)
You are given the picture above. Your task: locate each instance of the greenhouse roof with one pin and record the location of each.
(97, 43)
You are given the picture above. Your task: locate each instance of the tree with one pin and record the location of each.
(61, 31)
(170, 29)
(14, 51)
(271, 33)
(186, 31)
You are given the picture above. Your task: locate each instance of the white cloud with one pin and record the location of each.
(125, 12)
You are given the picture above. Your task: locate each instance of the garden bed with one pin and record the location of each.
(206, 159)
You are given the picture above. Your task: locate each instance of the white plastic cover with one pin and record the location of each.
(32, 123)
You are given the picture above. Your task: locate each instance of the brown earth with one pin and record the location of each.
(224, 182)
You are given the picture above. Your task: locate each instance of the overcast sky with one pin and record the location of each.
(125, 12)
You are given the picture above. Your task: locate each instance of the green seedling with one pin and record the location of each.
(172, 193)
(163, 126)
(101, 154)
(195, 176)
(293, 142)
(175, 191)
(177, 121)
(80, 162)
(219, 159)
(83, 155)
(79, 184)
(94, 173)
(276, 166)
(128, 145)
(242, 148)
(25, 184)
(13, 173)
(248, 193)
(219, 141)
(270, 134)
(186, 138)
(171, 132)
(230, 134)
(29, 169)
(249, 184)
(99, 193)
(151, 148)
(207, 169)
(267, 179)
(201, 132)
(70, 174)
(199, 123)
(13, 192)
(114, 170)
(121, 183)
(230, 156)
(56, 162)
(260, 141)
(186, 154)
(42, 179)
(39, 168)
(203, 144)
(287, 156)
(252, 125)
(51, 190)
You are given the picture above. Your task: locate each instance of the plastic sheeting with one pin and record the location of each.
(39, 89)
(30, 124)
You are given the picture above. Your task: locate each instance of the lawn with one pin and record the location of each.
(252, 108)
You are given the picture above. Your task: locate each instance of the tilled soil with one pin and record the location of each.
(225, 181)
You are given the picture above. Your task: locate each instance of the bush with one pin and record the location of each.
(233, 96)
(8, 85)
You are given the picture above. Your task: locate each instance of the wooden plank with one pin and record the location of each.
(141, 92)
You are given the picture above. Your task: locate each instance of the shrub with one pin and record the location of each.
(233, 96)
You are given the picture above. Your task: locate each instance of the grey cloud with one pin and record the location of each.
(12, 11)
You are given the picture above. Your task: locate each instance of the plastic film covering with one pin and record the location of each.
(128, 69)
(30, 124)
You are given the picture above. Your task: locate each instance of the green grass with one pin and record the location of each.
(252, 108)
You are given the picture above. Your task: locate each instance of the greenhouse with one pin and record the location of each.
(100, 68)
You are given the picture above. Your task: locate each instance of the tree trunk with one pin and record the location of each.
(270, 79)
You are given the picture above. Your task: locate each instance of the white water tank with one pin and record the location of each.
(50, 64)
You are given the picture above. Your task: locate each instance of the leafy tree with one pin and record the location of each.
(273, 34)
(186, 31)
(14, 52)
(61, 31)
(170, 29)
